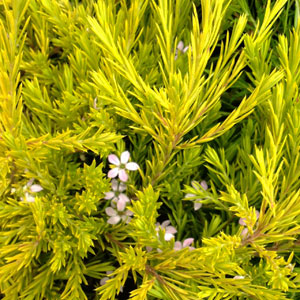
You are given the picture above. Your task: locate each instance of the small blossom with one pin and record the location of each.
(197, 205)
(180, 48)
(186, 243)
(169, 230)
(122, 165)
(117, 216)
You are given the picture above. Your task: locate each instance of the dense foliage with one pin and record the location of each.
(149, 149)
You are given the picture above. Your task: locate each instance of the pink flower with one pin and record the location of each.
(117, 216)
(197, 205)
(122, 165)
(186, 243)
(169, 230)
(118, 198)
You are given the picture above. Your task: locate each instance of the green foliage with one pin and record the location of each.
(204, 95)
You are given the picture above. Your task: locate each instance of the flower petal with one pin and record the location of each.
(110, 211)
(257, 214)
(189, 195)
(123, 175)
(132, 166)
(128, 219)
(242, 221)
(113, 159)
(168, 236)
(171, 229)
(203, 183)
(109, 195)
(113, 173)
(197, 205)
(30, 182)
(29, 198)
(114, 220)
(244, 232)
(177, 246)
(164, 224)
(103, 280)
(114, 185)
(180, 45)
(128, 212)
(122, 187)
(124, 198)
(121, 204)
(187, 242)
(125, 157)
(36, 188)
(239, 277)
(185, 49)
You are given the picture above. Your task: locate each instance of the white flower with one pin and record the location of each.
(197, 205)
(30, 188)
(180, 48)
(117, 216)
(169, 230)
(118, 198)
(186, 243)
(121, 166)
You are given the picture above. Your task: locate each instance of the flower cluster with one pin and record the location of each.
(122, 165)
(117, 210)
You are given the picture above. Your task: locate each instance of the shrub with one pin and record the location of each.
(199, 99)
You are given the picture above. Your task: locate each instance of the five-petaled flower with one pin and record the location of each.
(122, 165)
(197, 205)
(118, 198)
(169, 230)
(117, 216)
